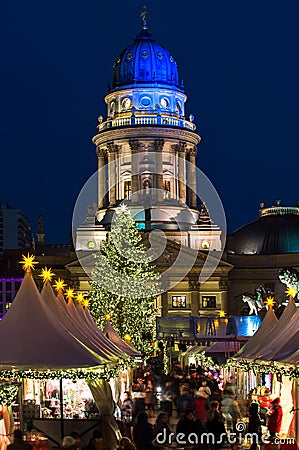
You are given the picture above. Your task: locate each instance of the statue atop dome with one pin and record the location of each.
(143, 16)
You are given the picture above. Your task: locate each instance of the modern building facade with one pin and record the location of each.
(15, 230)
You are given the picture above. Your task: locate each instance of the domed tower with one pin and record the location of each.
(147, 148)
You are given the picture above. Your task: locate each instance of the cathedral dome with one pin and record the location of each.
(276, 232)
(145, 62)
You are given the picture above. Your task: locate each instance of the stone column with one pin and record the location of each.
(112, 149)
(223, 287)
(194, 287)
(101, 178)
(182, 171)
(192, 178)
(158, 148)
(135, 146)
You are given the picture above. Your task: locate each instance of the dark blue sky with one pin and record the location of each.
(239, 61)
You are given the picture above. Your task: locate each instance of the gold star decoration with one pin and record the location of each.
(222, 313)
(291, 291)
(80, 298)
(28, 262)
(107, 317)
(127, 338)
(86, 302)
(270, 302)
(47, 274)
(70, 293)
(59, 285)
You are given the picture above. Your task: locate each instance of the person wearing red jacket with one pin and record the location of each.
(275, 418)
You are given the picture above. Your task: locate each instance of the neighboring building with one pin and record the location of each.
(259, 250)
(15, 230)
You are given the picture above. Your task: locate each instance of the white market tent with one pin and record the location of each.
(111, 334)
(42, 333)
(257, 341)
(34, 339)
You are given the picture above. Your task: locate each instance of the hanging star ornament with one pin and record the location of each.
(86, 302)
(107, 317)
(28, 262)
(47, 275)
(122, 208)
(59, 285)
(70, 293)
(80, 297)
(222, 313)
(291, 291)
(270, 302)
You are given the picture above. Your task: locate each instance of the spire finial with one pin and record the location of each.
(143, 18)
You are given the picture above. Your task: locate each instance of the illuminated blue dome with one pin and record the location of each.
(145, 62)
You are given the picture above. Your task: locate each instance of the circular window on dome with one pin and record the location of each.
(205, 244)
(126, 103)
(144, 54)
(164, 102)
(91, 244)
(129, 56)
(160, 55)
(145, 101)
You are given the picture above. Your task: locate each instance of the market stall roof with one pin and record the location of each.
(95, 334)
(286, 326)
(102, 349)
(257, 342)
(111, 334)
(32, 338)
(289, 352)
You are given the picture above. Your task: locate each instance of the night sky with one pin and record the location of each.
(238, 59)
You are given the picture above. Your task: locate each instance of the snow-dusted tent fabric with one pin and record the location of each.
(35, 339)
(102, 349)
(256, 343)
(111, 334)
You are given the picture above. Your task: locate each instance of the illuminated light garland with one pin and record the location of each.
(205, 361)
(246, 366)
(71, 374)
(8, 394)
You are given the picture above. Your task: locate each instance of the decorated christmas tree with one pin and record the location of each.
(125, 285)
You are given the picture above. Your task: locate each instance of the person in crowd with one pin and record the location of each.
(149, 398)
(275, 418)
(18, 443)
(189, 424)
(215, 423)
(167, 398)
(184, 400)
(101, 444)
(96, 435)
(255, 425)
(123, 443)
(230, 410)
(161, 426)
(231, 385)
(77, 437)
(69, 443)
(201, 401)
(143, 432)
